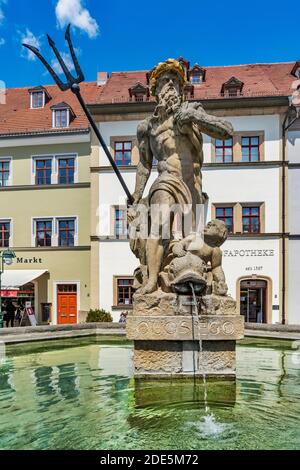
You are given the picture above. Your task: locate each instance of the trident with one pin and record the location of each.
(73, 85)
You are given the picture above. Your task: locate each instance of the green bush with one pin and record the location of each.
(98, 315)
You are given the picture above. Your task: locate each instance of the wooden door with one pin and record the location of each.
(66, 304)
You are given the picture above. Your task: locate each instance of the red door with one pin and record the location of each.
(66, 304)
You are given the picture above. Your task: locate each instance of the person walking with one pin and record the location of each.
(10, 313)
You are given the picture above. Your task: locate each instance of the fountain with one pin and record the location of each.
(176, 273)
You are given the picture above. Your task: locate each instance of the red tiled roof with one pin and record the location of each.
(16, 117)
(258, 79)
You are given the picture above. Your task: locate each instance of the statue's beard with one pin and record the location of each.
(168, 102)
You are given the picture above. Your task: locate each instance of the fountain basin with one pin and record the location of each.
(80, 393)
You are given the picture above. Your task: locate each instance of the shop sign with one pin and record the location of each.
(9, 293)
(245, 253)
(33, 260)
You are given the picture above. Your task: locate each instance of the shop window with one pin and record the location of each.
(4, 234)
(226, 215)
(123, 153)
(66, 232)
(124, 292)
(251, 219)
(66, 170)
(43, 171)
(224, 150)
(250, 149)
(43, 233)
(4, 172)
(121, 225)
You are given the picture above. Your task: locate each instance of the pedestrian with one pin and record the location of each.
(123, 317)
(10, 313)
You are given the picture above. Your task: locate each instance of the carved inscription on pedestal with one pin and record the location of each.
(208, 327)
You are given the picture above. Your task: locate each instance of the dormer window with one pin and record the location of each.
(62, 115)
(197, 75)
(38, 97)
(233, 87)
(296, 69)
(188, 91)
(185, 64)
(139, 92)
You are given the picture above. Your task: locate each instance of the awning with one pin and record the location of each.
(14, 278)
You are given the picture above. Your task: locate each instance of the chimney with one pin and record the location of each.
(102, 78)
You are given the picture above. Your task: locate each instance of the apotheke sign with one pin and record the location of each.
(248, 253)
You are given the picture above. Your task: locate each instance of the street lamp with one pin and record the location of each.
(6, 257)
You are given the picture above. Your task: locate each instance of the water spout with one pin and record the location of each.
(200, 361)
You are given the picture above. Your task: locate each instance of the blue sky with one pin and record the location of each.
(120, 35)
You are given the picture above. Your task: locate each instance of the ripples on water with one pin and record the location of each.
(80, 394)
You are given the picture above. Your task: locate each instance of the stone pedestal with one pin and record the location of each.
(167, 331)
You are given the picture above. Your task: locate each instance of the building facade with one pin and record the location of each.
(245, 178)
(63, 211)
(45, 152)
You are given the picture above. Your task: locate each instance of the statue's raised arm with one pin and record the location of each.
(193, 113)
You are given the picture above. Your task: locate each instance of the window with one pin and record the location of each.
(66, 170)
(37, 99)
(4, 172)
(61, 118)
(123, 153)
(43, 171)
(251, 219)
(196, 78)
(124, 291)
(43, 233)
(224, 151)
(250, 149)
(225, 214)
(66, 232)
(4, 234)
(121, 226)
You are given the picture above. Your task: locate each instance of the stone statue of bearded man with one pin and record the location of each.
(172, 135)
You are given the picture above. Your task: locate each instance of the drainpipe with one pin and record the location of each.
(287, 123)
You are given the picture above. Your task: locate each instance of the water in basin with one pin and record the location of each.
(80, 394)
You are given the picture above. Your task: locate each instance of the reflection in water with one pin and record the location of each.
(81, 394)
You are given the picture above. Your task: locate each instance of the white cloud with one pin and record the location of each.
(2, 42)
(67, 60)
(29, 38)
(73, 11)
(1, 11)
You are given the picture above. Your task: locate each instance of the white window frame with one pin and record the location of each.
(56, 228)
(54, 165)
(10, 177)
(11, 238)
(59, 156)
(55, 233)
(34, 158)
(31, 99)
(54, 120)
(34, 220)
